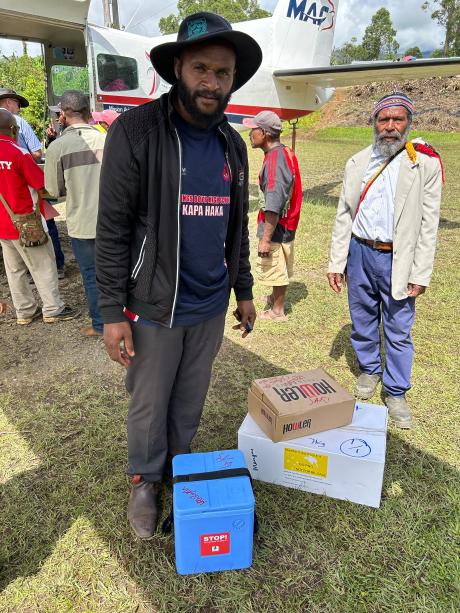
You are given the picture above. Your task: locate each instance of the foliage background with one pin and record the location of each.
(26, 76)
(233, 10)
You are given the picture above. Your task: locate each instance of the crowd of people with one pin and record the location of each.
(157, 213)
(71, 169)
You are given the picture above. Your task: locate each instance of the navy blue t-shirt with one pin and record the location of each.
(205, 204)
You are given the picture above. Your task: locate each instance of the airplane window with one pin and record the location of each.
(117, 73)
(69, 77)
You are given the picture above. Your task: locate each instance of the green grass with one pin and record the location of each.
(304, 123)
(338, 133)
(64, 542)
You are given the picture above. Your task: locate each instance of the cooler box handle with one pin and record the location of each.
(167, 525)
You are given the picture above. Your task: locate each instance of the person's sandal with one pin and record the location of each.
(270, 315)
(89, 331)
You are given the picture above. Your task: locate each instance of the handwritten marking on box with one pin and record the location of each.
(305, 462)
(356, 448)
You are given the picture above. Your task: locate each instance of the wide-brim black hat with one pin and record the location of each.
(10, 93)
(205, 27)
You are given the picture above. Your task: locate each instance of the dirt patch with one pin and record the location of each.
(328, 114)
(42, 351)
(436, 100)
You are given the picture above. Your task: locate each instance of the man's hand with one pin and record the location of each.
(336, 281)
(414, 290)
(248, 315)
(51, 131)
(3, 307)
(263, 250)
(118, 341)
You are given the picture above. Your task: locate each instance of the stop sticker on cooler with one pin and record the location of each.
(214, 544)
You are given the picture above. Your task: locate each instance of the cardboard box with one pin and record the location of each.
(294, 405)
(345, 463)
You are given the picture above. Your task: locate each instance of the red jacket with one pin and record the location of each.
(20, 180)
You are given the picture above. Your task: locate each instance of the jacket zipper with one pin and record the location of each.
(226, 154)
(140, 260)
(178, 231)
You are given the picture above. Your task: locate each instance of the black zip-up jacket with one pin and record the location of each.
(138, 227)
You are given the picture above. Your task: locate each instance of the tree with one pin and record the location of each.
(448, 16)
(415, 51)
(348, 53)
(69, 77)
(379, 40)
(26, 76)
(233, 10)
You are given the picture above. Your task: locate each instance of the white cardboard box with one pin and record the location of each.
(345, 463)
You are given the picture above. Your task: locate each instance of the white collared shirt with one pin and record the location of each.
(374, 220)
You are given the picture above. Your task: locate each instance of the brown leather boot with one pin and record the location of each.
(142, 507)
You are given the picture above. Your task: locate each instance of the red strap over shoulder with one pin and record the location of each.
(428, 150)
(288, 154)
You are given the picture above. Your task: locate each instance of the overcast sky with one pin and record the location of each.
(414, 27)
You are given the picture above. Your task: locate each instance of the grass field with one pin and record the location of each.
(65, 545)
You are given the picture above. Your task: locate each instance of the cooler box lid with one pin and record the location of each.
(230, 494)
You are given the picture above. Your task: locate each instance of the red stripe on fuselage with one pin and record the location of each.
(246, 110)
(235, 109)
(122, 99)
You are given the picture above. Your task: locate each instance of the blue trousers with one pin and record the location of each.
(54, 234)
(370, 301)
(84, 252)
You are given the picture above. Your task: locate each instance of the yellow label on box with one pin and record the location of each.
(305, 462)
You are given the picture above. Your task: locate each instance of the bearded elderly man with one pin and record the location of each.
(384, 240)
(172, 241)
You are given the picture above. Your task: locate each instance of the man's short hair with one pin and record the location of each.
(75, 101)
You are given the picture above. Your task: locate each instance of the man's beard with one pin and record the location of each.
(188, 99)
(387, 149)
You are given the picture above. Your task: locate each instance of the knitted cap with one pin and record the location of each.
(394, 99)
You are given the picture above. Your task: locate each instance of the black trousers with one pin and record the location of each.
(168, 380)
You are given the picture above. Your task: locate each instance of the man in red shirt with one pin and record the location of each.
(21, 182)
(281, 196)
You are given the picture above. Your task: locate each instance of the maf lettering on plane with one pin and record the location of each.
(320, 13)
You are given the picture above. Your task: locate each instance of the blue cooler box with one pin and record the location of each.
(213, 519)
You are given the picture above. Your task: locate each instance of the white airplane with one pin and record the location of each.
(295, 77)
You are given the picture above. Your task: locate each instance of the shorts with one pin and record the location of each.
(277, 269)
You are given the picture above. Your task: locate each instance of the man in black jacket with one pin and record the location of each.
(172, 241)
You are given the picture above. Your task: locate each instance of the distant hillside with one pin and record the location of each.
(436, 101)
